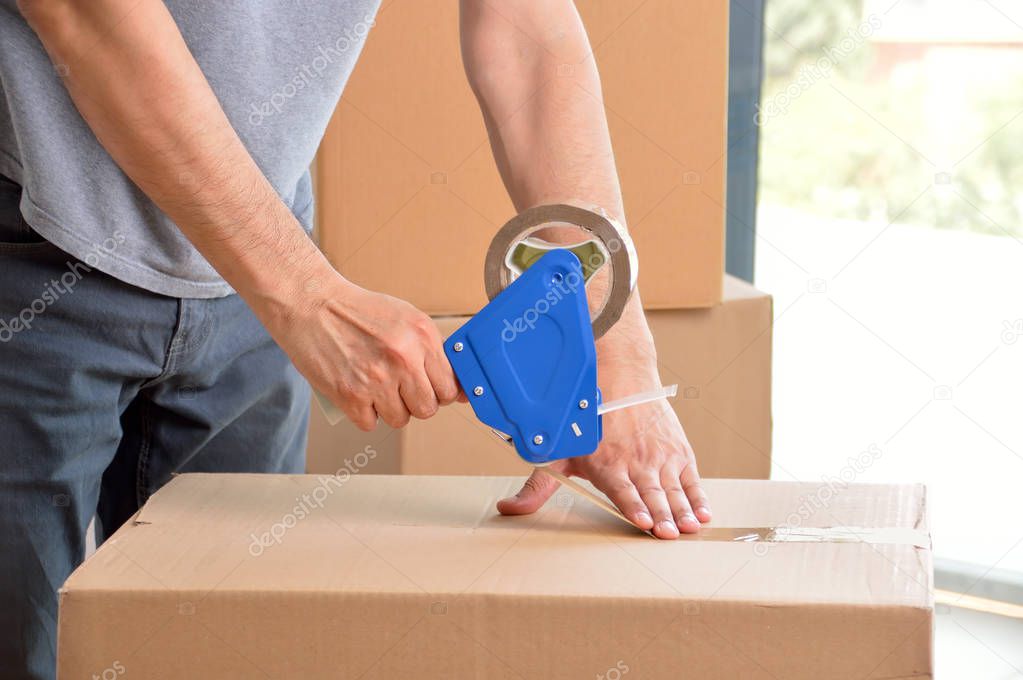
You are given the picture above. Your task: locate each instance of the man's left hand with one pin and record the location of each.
(644, 464)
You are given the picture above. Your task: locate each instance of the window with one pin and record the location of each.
(890, 231)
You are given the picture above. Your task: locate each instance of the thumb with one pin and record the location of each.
(534, 493)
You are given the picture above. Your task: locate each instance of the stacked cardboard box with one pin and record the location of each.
(372, 576)
(409, 197)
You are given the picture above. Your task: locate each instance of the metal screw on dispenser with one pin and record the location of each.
(538, 439)
(458, 346)
(584, 404)
(478, 391)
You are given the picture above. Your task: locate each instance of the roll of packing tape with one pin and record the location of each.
(615, 243)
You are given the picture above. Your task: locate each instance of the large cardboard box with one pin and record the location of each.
(381, 577)
(409, 195)
(720, 358)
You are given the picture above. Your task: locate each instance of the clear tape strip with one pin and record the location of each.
(780, 534)
(667, 392)
(838, 534)
(591, 496)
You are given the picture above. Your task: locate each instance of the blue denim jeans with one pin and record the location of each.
(106, 391)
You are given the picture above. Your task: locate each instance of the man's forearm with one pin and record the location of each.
(135, 82)
(539, 89)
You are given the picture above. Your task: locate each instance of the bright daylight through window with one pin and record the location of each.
(889, 232)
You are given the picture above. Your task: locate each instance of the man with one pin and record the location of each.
(162, 302)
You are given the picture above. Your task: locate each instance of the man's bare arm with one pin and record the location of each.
(531, 67)
(132, 77)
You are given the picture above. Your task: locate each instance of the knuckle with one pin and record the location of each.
(395, 351)
(425, 327)
(351, 399)
(683, 509)
(447, 391)
(426, 410)
(365, 423)
(408, 356)
(536, 483)
(619, 485)
(631, 505)
(397, 420)
(340, 386)
(340, 393)
(377, 374)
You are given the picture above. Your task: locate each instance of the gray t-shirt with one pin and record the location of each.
(277, 67)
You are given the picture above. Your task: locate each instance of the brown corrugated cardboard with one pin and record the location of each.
(372, 576)
(720, 358)
(409, 195)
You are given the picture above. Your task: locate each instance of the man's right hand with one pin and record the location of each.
(369, 353)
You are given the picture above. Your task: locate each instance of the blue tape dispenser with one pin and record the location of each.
(527, 361)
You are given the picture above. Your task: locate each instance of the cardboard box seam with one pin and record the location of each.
(195, 595)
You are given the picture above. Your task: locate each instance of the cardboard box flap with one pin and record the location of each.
(406, 534)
